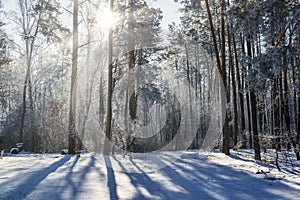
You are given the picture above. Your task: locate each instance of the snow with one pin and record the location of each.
(195, 175)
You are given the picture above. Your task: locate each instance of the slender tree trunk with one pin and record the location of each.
(187, 63)
(298, 128)
(108, 134)
(22, 121)
(222, 71)
(276, 113)
(249, 120)
(248, 95)
(27, 82)
(226, 139)
(296, 112)
(29, 49)
(213, 35)
(72, 109)
(233, 82)
(285, 103)
(253, 102)
(101, 103)
(254, 125)
(261, 114)
(245, 85)
(197, 70)
(240, 94)
(287, 110)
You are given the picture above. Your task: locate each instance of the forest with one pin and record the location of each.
(105, 76)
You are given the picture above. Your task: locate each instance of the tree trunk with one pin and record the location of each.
(72, 109)
(22, 121)
(296, 112)
(240, 94)
(187, 63)
(108, 135)
(286, 112)
(254, 125)
(298, 128)
(101, 103)
(226, 86)
(233, 82)
(253, 103)
(276, 113)
(222, 71)
(29, 40)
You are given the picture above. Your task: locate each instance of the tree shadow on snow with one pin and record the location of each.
(111, 179)
(198, 178)
(219, 181)
(73, 183)
(141, 179)
(28, 185)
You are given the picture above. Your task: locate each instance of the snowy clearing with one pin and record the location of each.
(196, 175)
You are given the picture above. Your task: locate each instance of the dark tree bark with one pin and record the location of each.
(233, 82)
(298, 127)
(249, 120)
(286, 109)
(253, 104)
(221, 69)
(247, 95)
(254, 125)
(240, 94)
(276, 113)
(108, 134)
(296, 102)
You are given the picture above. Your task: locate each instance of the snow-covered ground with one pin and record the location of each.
(196, 175)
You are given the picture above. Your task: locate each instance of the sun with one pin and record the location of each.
(106, 19)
